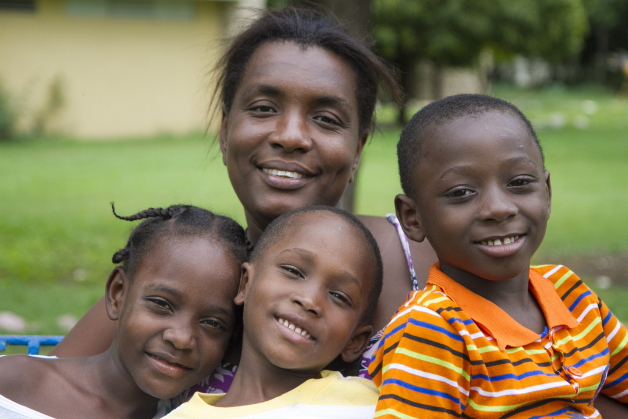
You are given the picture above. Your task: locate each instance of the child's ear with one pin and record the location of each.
(408, 217)
(357, 344)
(115, 292)
(549, 192)
(222, 136)
(245, 275)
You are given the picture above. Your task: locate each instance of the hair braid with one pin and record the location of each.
(177, 220)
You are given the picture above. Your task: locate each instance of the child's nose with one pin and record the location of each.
(291, 133)
(181, 337)
(497, 205)
(310, 299)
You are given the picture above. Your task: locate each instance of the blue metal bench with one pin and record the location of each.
(33, 342)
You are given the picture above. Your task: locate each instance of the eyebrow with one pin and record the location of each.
(263, 88)
(513, 160)
(307, 254)
(333, 100)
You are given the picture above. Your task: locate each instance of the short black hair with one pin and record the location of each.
(178, 220)
(439, 112)
(305, 27)
(281, 225)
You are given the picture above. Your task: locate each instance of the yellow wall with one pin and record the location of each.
(120, 76)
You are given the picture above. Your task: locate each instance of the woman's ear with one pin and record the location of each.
(222, 136)
(358, 155)
(245, 276)
(357, 344)
(116, 291)
(408, 217)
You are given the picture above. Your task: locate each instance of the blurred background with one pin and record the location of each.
(107, 100)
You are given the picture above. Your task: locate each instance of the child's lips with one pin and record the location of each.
(502, 247)
(168, 367)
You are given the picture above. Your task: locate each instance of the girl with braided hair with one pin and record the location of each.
(172, 295)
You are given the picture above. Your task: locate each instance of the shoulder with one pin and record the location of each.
(566, 283)
(333, 389)
(428, 312)
(21, 374)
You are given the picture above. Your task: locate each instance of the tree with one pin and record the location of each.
(454, 32)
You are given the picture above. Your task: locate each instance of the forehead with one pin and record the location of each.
(478, 139)
(189, 262)
(310, 71)
(335, 242)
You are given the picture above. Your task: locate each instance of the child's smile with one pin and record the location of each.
(482, 195)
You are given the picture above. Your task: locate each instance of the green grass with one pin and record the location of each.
(57, 233)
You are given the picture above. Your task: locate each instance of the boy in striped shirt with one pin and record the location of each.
(490, 336)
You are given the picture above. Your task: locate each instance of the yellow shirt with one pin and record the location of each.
(332, 396)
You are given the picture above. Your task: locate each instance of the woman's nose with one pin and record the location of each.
(292, 132)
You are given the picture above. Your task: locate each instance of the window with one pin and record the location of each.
(143, 9)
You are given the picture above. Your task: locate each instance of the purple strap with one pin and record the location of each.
(406, 248)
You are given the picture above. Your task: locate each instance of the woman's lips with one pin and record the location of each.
(284, 179)
(499, 248)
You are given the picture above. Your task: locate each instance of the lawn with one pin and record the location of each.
(57, 233)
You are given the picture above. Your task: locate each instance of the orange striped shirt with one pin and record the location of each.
(450, 353)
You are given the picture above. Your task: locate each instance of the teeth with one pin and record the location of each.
(498, 242)
(298, 330)
(282, 173)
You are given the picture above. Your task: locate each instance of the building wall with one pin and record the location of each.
(117, 76)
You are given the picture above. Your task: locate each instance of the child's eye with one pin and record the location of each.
(519, 182)
(293, 270)
(160, 303)
(459, 193)
(340, 296)
(214, 323)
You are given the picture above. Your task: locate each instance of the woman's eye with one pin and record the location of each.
(328, 120)
(293, 270)
(459, 193)
(263, 109)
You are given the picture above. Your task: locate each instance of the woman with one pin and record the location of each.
(297, 95)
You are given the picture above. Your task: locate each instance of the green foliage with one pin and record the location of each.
(453, 32)
(606, 13)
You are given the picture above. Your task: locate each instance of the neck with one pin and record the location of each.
(511, 295)
(258, 381)
(507, 292)
(254, 228)
(117, 387)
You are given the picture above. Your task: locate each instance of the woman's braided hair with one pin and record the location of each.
(178, 220)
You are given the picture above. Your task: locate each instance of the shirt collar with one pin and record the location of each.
(503, 328)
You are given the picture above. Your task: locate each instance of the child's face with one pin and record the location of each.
(482, 196)
(177, 315)
(304, 297)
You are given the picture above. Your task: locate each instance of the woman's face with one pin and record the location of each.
(291, 138)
